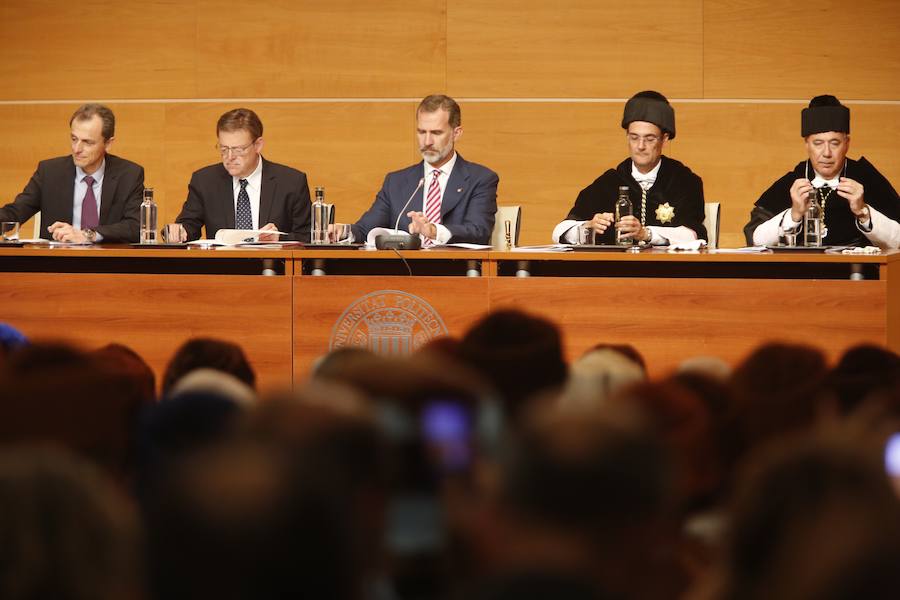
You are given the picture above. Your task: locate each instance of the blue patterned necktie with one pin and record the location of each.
(243, 216)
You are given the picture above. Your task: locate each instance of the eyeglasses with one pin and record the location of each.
(235, 150)
(648, 139)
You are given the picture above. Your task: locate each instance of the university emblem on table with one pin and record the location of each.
(388, 322)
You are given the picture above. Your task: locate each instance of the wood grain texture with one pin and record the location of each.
(891, 272)
(155, 314)
(320, 48)
(222, 48)
(669, 320)
(399, 48)
(773, 49)
(326, 307)
(288, 322)
(574, 48)
(98, 49)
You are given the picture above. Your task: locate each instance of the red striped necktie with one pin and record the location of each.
(433, 203)
(433, 199)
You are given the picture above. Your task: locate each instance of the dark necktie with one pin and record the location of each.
(243, 217)
(90, 217)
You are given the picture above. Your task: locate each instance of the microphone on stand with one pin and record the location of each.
(397, 240)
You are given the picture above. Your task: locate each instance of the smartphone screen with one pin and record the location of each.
(892, 456)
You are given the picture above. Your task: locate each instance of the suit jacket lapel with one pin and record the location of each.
(63, 187)
(268, 183)
(456, 186)
(226, 196)
(110, 180)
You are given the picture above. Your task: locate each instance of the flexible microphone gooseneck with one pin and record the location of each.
(397, 240)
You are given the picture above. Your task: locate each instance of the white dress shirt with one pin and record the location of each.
(443, 234)
(879, 229)
(81, 189)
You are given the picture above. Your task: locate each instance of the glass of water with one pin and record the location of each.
(9, 231)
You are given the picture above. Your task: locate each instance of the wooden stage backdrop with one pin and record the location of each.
(670, 306)
(542, 87)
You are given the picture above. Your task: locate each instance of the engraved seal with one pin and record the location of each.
(388, 322)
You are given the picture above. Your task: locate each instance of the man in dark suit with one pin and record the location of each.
(458, 199)
(66, 189)
(245, 191)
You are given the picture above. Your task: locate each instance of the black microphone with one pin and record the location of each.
(397, 240)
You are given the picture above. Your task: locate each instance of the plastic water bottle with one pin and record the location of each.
(623, 209)
(148, 218)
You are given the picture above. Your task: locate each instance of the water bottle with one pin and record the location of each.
(812, 222)
(623, 209)
(321, 217)
(148, 218)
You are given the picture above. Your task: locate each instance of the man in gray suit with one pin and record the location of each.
(89, 196)
(458, 198)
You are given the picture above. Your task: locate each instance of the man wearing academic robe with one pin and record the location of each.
(860, 206)
(666, 196)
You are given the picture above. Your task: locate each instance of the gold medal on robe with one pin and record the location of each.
(665, 213)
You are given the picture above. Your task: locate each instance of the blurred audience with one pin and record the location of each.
(777, 390)
(65, 531)
(213, 382)
(51, 392)
(199, 353)
(241, 521)
(521, 355)
(710, 366)
(481, 467)
(122, 359)
(583, 499)
(813, 519)
(599, 374)
(11, 339)
(865, 372)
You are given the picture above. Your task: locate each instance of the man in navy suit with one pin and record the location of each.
(245, 191)
(458, 198)
(89, 196)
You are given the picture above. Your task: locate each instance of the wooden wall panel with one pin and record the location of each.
(544, 153)
(154, 315)
(320, 48)
(98, 49)
(212, 49)
(693, 317)
(574, 48)
(320, 304)
(774, 49)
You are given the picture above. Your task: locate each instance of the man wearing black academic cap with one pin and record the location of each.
(666, 195)
(860, 206)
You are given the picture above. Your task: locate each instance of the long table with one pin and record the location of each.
(289, 307)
